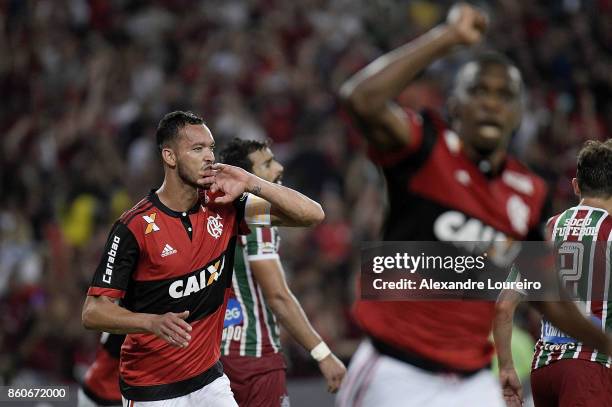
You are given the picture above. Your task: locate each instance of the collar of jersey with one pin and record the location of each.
(159, 205)
(589, 207)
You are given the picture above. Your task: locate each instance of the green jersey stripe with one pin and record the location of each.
(268, 321)
(253, 345)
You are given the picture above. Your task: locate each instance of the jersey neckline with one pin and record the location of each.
(154, 198)
(578, 207)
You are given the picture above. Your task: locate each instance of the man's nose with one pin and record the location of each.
(491, 103)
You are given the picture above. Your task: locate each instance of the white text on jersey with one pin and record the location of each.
(110, 262)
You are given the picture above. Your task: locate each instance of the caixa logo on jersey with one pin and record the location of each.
(454, 226)
(197, 282)
(476, 237)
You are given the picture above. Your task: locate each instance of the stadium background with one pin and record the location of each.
(84, 83)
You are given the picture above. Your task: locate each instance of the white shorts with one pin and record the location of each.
(215, 394)
(375, 380)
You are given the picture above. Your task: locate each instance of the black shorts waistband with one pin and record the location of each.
(171, 390)
(419, 361)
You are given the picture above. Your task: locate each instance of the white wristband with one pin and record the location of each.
(320, 352)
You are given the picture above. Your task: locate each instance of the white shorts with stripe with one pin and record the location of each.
(375, 380)
(216, 394)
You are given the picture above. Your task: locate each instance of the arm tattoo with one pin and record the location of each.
(256, 190)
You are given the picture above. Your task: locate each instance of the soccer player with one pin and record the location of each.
(446, 182)
(170, 259)
(101, 385)
(250, 346)
(567, 371)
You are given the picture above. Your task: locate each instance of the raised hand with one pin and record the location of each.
(172, 328)
(467, 22)
(333, 370)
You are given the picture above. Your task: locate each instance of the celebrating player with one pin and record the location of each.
(251, 344)
(445, 182)
(559, 358)
(170, 259)
(101, 384)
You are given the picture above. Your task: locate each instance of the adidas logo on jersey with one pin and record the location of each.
(168, 250)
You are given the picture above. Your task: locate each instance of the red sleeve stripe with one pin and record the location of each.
(266, 235)
(107, 292)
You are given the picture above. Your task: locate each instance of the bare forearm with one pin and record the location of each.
(296, 207)
(292, 317)
(386, 77)
(566, 316)
(107, 316)
(502, 333)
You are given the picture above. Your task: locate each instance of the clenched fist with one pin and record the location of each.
(467, 22)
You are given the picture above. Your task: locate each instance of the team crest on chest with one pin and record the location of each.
(151, 226)
(214, 226)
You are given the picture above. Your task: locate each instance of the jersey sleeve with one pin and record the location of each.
(515, 276)
(240, 205)
(262, 244)
(422, 137)
(118, 262)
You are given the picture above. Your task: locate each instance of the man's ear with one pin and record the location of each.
(576, 187)
(169, 157)
(518, 116)
(453, 106)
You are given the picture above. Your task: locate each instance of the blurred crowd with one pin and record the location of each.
(84, 83)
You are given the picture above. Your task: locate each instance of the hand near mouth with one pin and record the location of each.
(207, 177)
(230, 181)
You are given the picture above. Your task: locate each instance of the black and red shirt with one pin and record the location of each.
(101, 383)
(158, 260)
(436, 193)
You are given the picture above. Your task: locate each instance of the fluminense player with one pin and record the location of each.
(170, 259)
(565, 370)
(251, 349)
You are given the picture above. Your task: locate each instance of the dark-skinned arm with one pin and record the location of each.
(369, 94)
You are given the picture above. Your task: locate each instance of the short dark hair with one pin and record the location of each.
(169, 127)
(594, 171)
(485, 59)
(237, 151)
(490, 57)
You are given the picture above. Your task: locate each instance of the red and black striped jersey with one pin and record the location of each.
(436, 193)
(101, 382)
(158, 260)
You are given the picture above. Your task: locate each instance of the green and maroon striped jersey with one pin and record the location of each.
(585, 271)
(250, 327)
